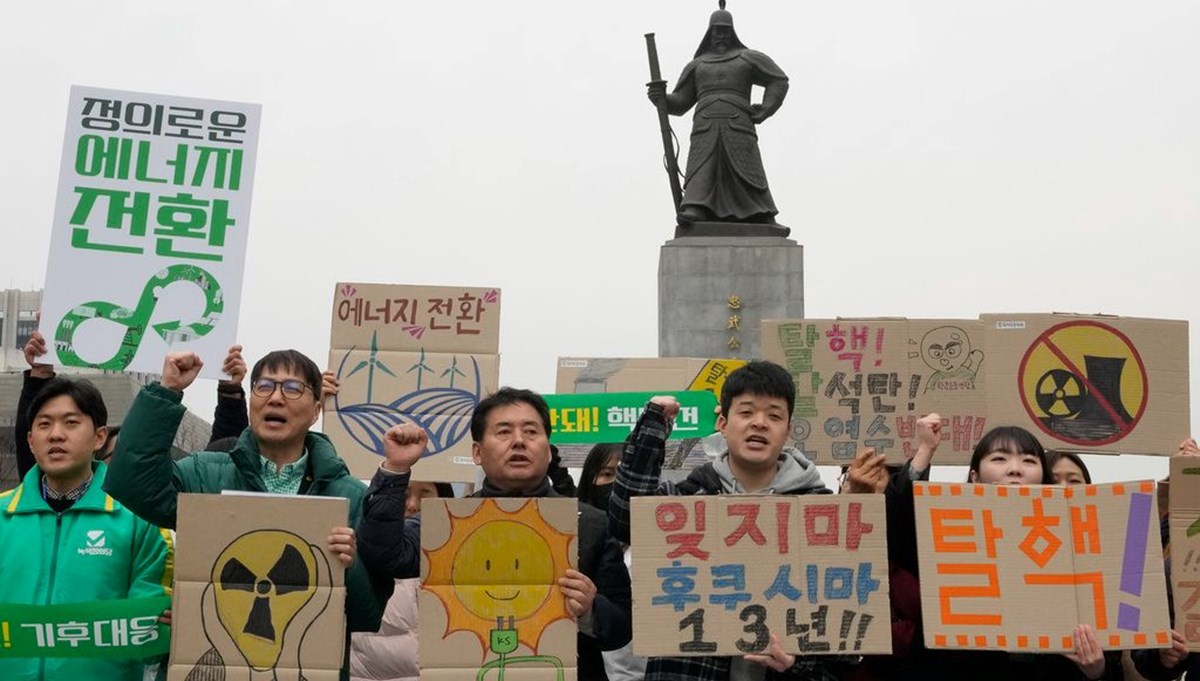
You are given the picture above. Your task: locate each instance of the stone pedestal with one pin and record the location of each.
(714, 292)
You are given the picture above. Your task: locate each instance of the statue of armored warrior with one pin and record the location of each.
(725, 181)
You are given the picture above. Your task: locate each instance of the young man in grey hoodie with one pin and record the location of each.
(756, 413)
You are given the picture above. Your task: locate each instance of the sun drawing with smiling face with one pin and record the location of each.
(500, 564)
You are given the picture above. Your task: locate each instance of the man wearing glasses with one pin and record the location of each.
(277, 454)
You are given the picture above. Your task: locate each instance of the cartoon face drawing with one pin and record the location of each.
(945, 348)
(508, 567)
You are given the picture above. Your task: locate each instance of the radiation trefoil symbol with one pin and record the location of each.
(264, 591)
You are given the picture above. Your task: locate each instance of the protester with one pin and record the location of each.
(1166, 664)
(1068, 469)
(510, 433)
(1007, 455)
(867, 473)
(595, 489)
(757, 400)
(277, 454)
(391, 654)
(49, 521)
(599, 471)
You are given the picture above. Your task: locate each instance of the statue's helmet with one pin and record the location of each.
(721, 17)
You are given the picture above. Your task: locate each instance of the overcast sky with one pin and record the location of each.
(936, 158)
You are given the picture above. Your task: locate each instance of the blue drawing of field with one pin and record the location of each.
(444, 411)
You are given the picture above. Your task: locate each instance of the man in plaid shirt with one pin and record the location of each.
(756, 407)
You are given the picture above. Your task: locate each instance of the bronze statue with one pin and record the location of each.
(725, 181)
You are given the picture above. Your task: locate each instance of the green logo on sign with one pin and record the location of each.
(137, 320)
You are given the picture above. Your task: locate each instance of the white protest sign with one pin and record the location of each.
(150, 226)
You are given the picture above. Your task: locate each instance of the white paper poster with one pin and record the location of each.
(149, 234)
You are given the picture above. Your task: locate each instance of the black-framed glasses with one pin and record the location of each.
(291, 388)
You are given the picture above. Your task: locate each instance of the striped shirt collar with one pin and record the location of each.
(284, 479)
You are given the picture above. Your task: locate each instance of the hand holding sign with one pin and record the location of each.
(329, 385)
(867, 474)
(180, 369)
(579, 591)
(774, 657)
(343, 545)
(1186, 448)
(234, 366)
(403, 446)
(1171, 657)
(1088, 655)
(34, 349)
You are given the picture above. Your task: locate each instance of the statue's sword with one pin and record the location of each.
(664, 125)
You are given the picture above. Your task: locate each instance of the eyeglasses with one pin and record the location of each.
(291, 388)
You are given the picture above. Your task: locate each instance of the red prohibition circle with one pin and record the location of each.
(1044, 338)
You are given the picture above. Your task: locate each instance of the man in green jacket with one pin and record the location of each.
(65, 540)
(276, 454)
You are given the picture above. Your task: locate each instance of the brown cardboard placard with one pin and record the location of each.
(1090, 384)
(717, 575)
(643, 374)
(489, 599)
(993, 556)
(865, 382)
(411, 354)
(1185, 547)
(257, 587)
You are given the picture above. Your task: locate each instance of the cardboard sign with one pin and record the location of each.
(150, 227)
(611, 417)
(652, 375)
(489, 603)
(256, 587)
(992, 558)
(864, 383)
(1091, 384)
(1185, 547)
(717, 575)
(411, 354)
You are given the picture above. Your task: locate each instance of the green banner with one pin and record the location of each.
(586, 418)
(126, 628)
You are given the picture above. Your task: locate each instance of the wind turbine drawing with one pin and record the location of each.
(420, 367)
(371, 363)
(452, 371)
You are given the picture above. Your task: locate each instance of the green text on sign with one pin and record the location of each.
(586, 418)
